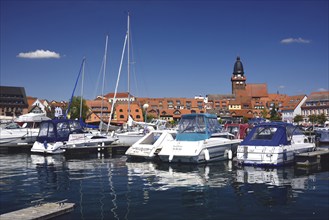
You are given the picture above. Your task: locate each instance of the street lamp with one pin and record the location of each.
(145, 106)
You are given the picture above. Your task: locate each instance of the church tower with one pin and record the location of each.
(238, 79)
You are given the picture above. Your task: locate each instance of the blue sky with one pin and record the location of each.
(179, 48)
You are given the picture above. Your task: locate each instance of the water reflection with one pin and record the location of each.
(284, 176)
(165, 176)
(111, 188)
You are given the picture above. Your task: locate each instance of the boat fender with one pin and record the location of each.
(206, 154)
(230, 154)
(45, 144)
(171, 156)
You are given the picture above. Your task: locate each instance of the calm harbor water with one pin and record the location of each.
(109, 187)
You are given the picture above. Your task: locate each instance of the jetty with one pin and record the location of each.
(321, 155)
(40, 210)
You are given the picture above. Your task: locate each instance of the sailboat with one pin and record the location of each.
(129, 136)
(59, 135)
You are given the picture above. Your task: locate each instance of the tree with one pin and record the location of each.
(298, 118)
(245, 119)
(264, 113)
(312, 118)
(275, 116)
(74, 111)
(321, 119)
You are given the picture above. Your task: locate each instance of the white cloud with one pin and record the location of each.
(39, 54)
(322, 90)
(295, 40)
(281, 87)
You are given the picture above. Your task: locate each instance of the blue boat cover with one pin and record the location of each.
(271, 134)
(196, 127)
(58, 130)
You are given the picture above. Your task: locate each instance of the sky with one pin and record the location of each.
(178, 48)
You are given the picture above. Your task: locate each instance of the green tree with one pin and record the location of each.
(321, 119)
(75, 108)
(245, 119)
(298, 118)
(275, 116)
(313, 119)
(264, 113)
(172, 123)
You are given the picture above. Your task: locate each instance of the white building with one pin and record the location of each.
(291, 107)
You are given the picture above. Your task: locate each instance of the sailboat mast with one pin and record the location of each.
(128, 69)
(103, 85)
(82, 82)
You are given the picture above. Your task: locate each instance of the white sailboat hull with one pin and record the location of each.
(88, 140)
(128, 138)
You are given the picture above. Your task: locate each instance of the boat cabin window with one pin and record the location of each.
(75, 125)
(293, 130)
(63, 129)
(198, 124)
(192, 124)
(264, 133)
(214, 126)
(47, 130)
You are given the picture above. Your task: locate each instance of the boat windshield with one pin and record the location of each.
(264, 133)
(198, 124)
(197, 127)
(192, 125)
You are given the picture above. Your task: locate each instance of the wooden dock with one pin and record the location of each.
(312, 158)
(40, 211)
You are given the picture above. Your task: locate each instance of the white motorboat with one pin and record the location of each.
(151, 144)
(22, 132)
(199, 139)
(273, 144)
(58, 135)
(322, 136)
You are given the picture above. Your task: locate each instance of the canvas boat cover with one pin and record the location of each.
(58, 130)
(271, 134)
(196, 127)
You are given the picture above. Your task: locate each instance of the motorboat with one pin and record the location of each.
(23, 131)
(239, 131)
(58, 135)
(274, 144)
(150, 144)
(199, 139)
(137, 130)
(322, 136)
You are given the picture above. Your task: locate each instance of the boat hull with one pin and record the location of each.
(128, 138)
(210, 150)
(87, 140)
(271, 155)
(47, 148)
(18, 137)
(150, 145)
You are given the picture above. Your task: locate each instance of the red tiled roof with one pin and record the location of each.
(291, 102)
(255, 90)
